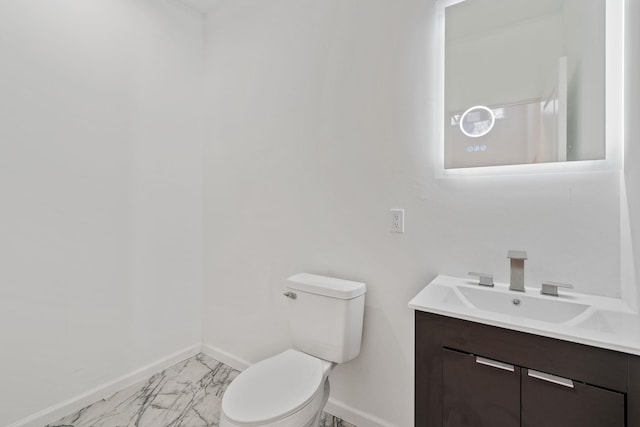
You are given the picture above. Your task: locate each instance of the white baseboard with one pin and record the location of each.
(226, 358)
(55, 412)
(354, 416)
(334, 407)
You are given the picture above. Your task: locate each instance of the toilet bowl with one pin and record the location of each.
(286, 390)
(291, 389)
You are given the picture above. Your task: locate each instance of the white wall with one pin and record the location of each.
(321, 119)
(101, 179)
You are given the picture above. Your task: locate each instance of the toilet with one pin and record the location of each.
(291, 389)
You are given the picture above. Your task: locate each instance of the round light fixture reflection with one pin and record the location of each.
(477, 121)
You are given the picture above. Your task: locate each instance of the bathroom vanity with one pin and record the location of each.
(482, 367)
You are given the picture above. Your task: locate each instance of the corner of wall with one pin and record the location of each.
(629, 284)
(630, 181)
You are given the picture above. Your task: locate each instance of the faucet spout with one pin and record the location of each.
(517, 270)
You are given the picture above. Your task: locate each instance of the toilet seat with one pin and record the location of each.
(275, 389)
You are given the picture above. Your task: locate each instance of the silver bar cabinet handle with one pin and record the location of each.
(494, 364)
(550, 378)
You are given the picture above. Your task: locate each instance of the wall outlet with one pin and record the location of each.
(397, 220)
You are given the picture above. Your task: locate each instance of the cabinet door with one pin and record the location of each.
(479, 392)
(551, 401)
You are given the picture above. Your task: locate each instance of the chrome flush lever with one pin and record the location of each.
(290, 294)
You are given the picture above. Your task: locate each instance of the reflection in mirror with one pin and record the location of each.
(524, 82)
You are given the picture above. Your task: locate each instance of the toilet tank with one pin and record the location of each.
(325, 316)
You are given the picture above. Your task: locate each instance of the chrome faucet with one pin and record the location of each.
(517, 270)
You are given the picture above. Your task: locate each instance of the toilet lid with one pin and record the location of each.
(273, 388)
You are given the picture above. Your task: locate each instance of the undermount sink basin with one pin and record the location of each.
(547, 309)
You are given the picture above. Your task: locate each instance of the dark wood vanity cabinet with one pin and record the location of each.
(475, 375)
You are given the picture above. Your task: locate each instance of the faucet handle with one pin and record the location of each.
(486, 279)
(551, 288)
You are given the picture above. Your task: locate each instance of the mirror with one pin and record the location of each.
(524, 81)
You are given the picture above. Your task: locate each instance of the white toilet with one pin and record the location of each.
(291, 389)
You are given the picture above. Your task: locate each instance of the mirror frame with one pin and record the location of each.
(614, 104)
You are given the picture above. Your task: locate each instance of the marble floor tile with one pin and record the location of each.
(331, 421)
(188, 394)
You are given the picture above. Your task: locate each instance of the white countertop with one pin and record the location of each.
(606, 323)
